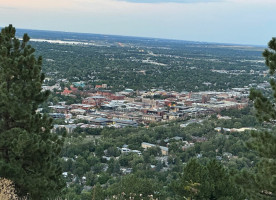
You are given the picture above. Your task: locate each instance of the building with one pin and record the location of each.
(57, 115)
(94, 100)
(101, 121)
(164, 150)
(69, 128)
(124, 123)
(151, 118)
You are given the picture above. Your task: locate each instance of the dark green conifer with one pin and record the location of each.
(29, 152)
(260, 183)
(97, 192)
(206, 182)
(193, 183)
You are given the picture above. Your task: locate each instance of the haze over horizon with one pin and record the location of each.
(142, 37)
(219, 21)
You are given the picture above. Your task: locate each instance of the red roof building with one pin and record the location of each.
(66, 91)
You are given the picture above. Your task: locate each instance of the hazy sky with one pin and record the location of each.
(227, 21)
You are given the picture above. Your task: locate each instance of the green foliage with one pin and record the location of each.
(113, 167)
(29, 152)
(136, 187)
(260, 182)
(206, 182)
(269, 55)
(90, 149)
(98, 193)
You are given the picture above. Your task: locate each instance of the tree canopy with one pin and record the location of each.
(29, 152)
(212, 181)
(260, 182)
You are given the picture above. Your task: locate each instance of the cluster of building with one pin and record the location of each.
(100, 108)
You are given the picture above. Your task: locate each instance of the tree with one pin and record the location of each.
(210, 182)
(134, 187)
(220, 183)
(97, 192)
(29, 152)
(193, 173)
(260, 183)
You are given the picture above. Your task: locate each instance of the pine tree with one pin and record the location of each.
(97, 192)
(29, 152)
(220, 183)
(206, 182)
(260, 183)
(193, 182)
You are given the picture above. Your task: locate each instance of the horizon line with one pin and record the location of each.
(145, 37)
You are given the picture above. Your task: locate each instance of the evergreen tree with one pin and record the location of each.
(98, 192)
(221, 186)
(206, 182)
(260, 183)
(193, 182)
(134, 187)
(29, 152)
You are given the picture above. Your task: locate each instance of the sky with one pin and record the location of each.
(222, 21)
